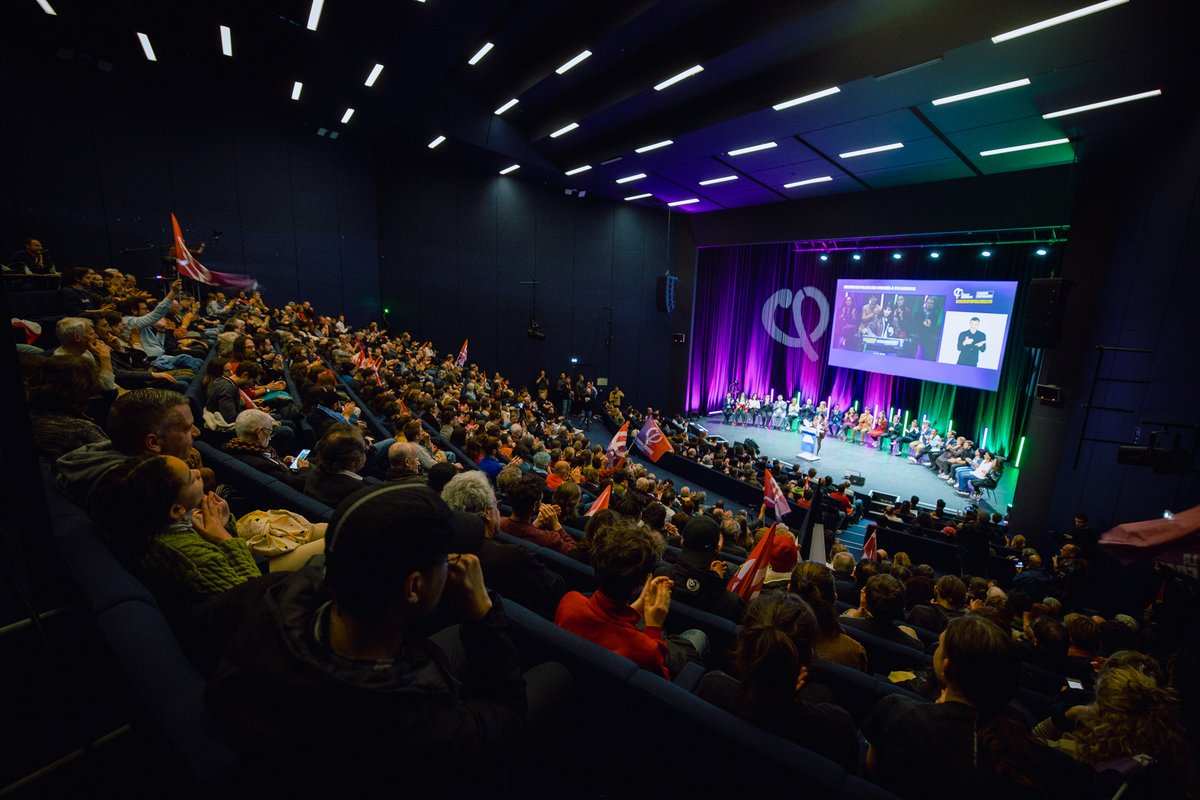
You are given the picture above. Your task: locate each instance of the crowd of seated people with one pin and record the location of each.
(304, 650)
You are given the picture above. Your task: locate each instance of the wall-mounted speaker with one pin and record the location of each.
(1045, 305)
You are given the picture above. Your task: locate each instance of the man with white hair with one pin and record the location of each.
(252, 446)
(77, 337)
(509, 569)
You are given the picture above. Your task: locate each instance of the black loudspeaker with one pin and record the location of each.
(665, 294)
(1049, 394)
(679, 338)
(1045, 305)
(751, 445)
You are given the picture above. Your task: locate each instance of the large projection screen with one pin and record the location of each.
(944, 331)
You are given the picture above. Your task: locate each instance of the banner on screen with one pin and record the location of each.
(945, 331)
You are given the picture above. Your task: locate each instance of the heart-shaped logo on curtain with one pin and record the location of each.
(784, 298)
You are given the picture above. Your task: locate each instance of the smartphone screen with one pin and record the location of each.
(1074, 684)
(303, 454)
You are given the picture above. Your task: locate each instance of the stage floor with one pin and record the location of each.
(882, 472)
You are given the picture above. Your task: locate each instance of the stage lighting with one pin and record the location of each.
(857, 256)
(986, 254)
(1041, 251)
(935, 254)
(897, 256)
(824, 256)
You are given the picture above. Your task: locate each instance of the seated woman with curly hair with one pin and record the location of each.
(57, 390)
(772, 655)
(164, 527)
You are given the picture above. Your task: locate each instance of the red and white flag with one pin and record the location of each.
(748, 581)
(360, 359)
(601, 501)
(870, 546)
(773, 496)
(652, 441)
(188, 267)
(462, 354)
(619, 445)
(404, 409)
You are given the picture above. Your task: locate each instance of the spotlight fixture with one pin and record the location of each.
(824, 256)
(533, 332)
(857, 256)
(897, 256)
(436, 142)
(1041, 251)
(510, 168)
(986, 253)
(934, 254)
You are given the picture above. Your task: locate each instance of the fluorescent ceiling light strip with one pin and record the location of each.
(346, 117)
(639, 196)
(752, 148)
(578, 170)
(480, 53)
(226, 41)
(1020, 147)
(655, 146)
(564, 129)
(631, 178)
(1000, 87)
(687, 202)
(314, 14)
(711, 181)
(1102, 104)
(1059, 20)
(806, 98)
(47, 8)
(436, 142)
(687, 73)
(574, 61)
(509, 169)
(146, 47)
(297, 87)
(880, 149)
(506, 106)
(806, 182)
(374, 76)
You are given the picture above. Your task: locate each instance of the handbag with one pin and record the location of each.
(274, 532)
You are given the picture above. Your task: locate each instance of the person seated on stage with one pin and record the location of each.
(754, 409)
(863, 426)
(779, 413)
(951, 456)
(741, 410)
(849, 423)
(892, 431)
(878, 431)
(930, 440)
(971, 460)
(979, 473)
(794, 414)
(727, 407)
(836, 418)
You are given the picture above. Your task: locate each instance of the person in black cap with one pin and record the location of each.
(700, 575)
(332, 666)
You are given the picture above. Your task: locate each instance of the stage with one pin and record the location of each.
(882, 472)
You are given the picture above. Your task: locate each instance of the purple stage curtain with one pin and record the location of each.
(748, 328)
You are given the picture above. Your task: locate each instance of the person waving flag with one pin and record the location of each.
(652, 441)
(773, 496)
(619, 445)
(462, 354)
(747, 582)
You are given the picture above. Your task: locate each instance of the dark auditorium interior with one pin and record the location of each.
(585, 188)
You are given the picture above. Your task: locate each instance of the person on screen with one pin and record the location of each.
(847, 323)
(971, 343)
(925, 335)
(869, 312)
(901, 314)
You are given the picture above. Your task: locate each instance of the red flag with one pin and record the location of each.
(870, 546)
(359, 358)
(601, 501)
(619, 445)
(748, 581)
(773, 496)
(462, 354)
(188, 267)
(652, 441)
(404, 409)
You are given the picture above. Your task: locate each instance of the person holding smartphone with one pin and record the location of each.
(251, 445)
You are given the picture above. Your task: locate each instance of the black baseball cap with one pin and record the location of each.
(701, 533)
(398, 524)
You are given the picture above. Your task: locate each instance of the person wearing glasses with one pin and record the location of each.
(338, 461)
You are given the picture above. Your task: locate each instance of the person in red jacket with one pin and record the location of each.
(624, 556)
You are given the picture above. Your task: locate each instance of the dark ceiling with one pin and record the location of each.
(889, 59)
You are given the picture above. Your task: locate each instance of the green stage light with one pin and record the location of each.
(983, 444)
(1020, 450)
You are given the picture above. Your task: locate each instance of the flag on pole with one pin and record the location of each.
(360, 358)
(773, 496)
(188, 267)
(404, 409)
(870, 546)
(601, 501)
(748, 581)
(619, 445)
(652, 441)
(462, 354)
